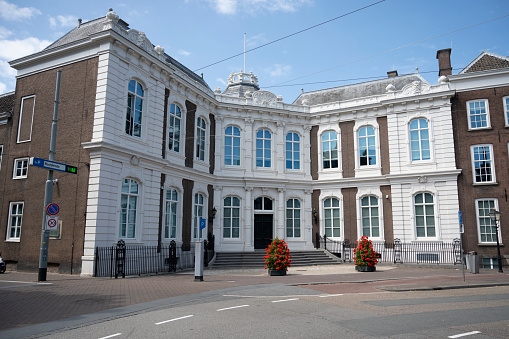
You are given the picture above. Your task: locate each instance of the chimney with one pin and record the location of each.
(392, 74)
(444, 62)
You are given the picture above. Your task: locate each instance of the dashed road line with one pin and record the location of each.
(231, 308)
(280, 301)
(329, 295)
(111, 336)
(167, 321)
(463, 334)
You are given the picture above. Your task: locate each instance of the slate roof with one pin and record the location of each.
(360, 90)
(6, 102)
(486, 61)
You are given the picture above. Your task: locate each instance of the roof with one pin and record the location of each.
(360, 90)
(6, 102)
(486, 61)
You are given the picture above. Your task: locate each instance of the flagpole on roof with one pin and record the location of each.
(245, 71)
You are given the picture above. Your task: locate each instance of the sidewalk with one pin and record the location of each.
(27, 302)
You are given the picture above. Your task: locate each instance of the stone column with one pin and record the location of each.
(307, 220)
(218, 220)
(281, 220)
(306, 150)
(219, 163)
(280, 149)
(248, 218)
(248, 147)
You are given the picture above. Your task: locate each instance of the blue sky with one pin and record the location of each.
(355, 48)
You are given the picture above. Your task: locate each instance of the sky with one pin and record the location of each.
(295, 44)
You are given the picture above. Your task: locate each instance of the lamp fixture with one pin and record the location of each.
(315, 215)
(214, 211)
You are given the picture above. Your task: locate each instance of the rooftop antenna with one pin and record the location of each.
(245, 53)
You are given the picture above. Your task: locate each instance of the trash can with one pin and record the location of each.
(472, 262)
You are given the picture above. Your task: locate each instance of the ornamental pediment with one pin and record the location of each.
(415, 88)
(264, 98)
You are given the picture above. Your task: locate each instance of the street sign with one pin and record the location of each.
(460, 216)
(52, 165)
(52, 209)
(51, 222)
(203, 223)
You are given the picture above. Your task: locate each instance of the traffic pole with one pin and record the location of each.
(48, 191)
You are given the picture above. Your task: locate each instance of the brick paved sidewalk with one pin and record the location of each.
(26, 302)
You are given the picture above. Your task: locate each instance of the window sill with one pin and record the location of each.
(491, 244)
(494, 183)
(13, 240)
(480, 129)
(19, 178)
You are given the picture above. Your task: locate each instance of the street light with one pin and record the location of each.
(495, 216)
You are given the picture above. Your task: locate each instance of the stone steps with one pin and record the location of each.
(255, 259)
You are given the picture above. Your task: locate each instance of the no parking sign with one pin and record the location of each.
(51, 223)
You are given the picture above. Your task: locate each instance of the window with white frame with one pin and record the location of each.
(367, 146)
(263, 204)
(232, 146)
(201, 129)
(231, 217)
(174, 128)
(478, 114)
(15, 220)
(483, 166)
(370, 217)
(486, 226)
(20, 168)
(332, 217)
(506, 110)
(170, 214)
(128, 208)
(330, 146)
(198, 214)
(424, 207)
(292, 151)
(263, 148)
(134, 108)
(293, 212)
(26, 119)
(419, 139)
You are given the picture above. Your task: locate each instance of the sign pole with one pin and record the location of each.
(48, 192)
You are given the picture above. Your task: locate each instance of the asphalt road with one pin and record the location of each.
(277, 310)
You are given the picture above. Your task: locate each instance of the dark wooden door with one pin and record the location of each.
(262, 230)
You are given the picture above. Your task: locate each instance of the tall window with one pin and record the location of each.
(14, 222)
(332, 217)
(170, 219)
(419, 139)
(424, 215)
(478, 114)
(134, 108)
(198, 214)
(293, 218)
(506, 110)
(20, 168)
(232, 146)
(330, 149)
(174, 128)
(263, 148)
(201, 128)
(231, 217)
(128, 208)
(483, 168)
(367, 147)
(370, 217)
(293, 151)
(486, 227)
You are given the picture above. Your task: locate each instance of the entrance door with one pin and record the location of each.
(262, 230)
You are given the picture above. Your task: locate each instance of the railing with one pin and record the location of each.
(122, 260)
(398, 252)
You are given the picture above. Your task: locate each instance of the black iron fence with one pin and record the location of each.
(398, 252)
(122, 260)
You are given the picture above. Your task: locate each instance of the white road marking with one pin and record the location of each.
(330, 295)
(111, 336)
(280, 301)
(231, 308)
(167, 321)
(463, 334)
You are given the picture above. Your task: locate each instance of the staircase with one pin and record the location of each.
(255, 259)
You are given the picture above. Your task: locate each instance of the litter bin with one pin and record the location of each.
(473, 262)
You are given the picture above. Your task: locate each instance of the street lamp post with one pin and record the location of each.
(495, 216)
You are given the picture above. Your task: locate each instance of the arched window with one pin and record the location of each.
(263, 204)
(293, 218)
(231, 217)
(424, 215)
(332, 217)
(330, 149)
(232, 146)
(198, 214)
(128, 208)
(293, 151)
(419, 139)
(370, 216)
(201, 129)
(170, 218)
(263, 148)
(174, 128)
(367, 146)
(134, 108)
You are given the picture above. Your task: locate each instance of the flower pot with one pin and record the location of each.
(365, 268)
(277, 272)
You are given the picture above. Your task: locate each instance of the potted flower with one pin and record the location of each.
(364, 255)
(277, 259)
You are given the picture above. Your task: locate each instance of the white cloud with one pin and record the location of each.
(221, 81)
(12, 12)
(3, 88)
(278, 70)
(224, 6)
(183, 53)
(63, 21)
(254, 6)
(6, 70)
(13, 49)
(257, 40)
(4, 32)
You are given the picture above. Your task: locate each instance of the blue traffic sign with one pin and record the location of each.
(52, 165)
(52, 209)
(203, 223)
